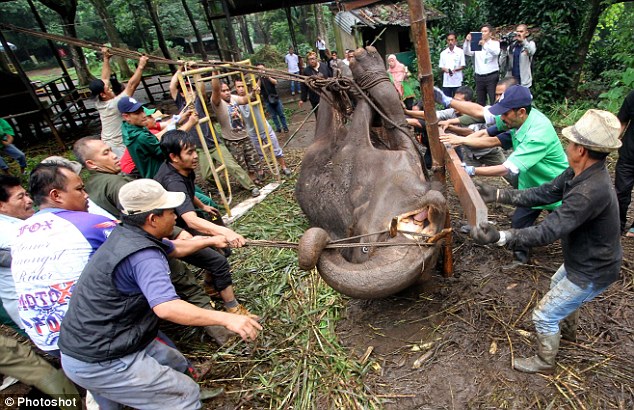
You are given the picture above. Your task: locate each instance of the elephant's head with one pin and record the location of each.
(360, 180)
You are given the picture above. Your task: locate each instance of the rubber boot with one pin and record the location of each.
(57, 385)
(544, 361)
(220, 334)
(569, 327)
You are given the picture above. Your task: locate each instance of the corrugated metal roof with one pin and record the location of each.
(390, 13)
(346, 20)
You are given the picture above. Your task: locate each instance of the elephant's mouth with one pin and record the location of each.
(418, 224)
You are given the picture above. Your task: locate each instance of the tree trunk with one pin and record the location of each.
(113, 36)
(146, 45)
(321, 24)
(234, 50)
(159, 33)
(244, 32)
(67, 10)
(305, 27)
(190, 16)
(592, 19)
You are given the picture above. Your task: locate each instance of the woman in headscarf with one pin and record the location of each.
(398, 75)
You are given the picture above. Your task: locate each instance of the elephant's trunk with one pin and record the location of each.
(388, 271)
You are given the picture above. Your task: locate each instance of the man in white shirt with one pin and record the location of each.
(487, 69)
(106, 103)
(292, 62)
(15, 206)
(320, 45)
(451, 63)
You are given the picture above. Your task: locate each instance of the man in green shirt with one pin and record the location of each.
(6, 136)
(143, 146)
(537, 158)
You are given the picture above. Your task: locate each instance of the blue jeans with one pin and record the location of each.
(151, 378)
(277, 113)
(277, 150)
(563, 298)
(13, 151)
(295, 87)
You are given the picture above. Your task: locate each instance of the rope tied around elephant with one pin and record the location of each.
(341, 243)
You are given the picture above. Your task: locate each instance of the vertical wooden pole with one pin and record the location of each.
(419, 34)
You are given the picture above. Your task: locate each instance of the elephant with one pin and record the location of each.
(360, 176)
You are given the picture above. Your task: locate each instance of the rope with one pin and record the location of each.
(336, 85)
(338, 244)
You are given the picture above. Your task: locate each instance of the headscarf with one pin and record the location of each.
(397, 74)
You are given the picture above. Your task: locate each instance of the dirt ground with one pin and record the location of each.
(447, 343)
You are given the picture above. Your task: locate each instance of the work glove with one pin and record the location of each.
(470, 170)
(492, 194)
(485, 233)
(487, 193)
(441, 98)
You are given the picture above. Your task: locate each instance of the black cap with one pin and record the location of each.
(96, 87)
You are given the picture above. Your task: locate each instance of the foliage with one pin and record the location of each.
(297, 361)
(269, 56)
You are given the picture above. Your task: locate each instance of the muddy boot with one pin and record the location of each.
(220, 334)
(569, 326)
(544, 361)
(57, 385)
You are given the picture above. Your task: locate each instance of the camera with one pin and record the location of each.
(508, 38)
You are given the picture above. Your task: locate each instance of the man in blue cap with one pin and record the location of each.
(537, 158)
(143, 146)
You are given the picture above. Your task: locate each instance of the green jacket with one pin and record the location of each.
(537, 153)
(144, 148)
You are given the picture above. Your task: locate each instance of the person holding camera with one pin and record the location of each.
(516, 57)
(451, 63)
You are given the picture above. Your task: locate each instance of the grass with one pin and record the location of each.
(297, 361)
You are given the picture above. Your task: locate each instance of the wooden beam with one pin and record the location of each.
(472, 204)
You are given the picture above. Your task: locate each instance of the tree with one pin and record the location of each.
(159, 32)
(113, 35)
(67, 10)
(199, 38)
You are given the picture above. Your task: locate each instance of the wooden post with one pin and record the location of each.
(426, 77)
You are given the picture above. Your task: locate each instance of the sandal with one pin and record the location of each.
(630, 233)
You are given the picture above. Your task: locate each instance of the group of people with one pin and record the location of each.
(584, 210)
(124, 256)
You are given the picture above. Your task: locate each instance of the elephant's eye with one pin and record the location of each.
(365, 249)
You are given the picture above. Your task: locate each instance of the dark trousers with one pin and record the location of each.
(623, 184)
(485, 86)
(523, 218)
(449, 91)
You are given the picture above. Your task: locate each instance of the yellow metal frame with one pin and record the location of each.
(217, 171)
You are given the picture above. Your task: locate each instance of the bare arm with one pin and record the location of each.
(215, 90)
(494, 171)
(201, 225)
(174, 82)
(468, 108)
(185, 247)
(181, 312)
(470, 141)
(135, 80)
(105, 68)
(415, 114)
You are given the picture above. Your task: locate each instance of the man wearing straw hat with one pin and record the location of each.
(587, 222)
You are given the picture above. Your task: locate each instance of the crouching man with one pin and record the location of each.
(587, 223)
(108, 335)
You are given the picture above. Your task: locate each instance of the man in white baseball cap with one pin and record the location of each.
(587, 222)
(108, 339)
